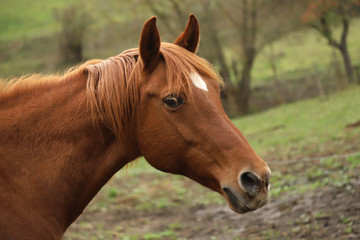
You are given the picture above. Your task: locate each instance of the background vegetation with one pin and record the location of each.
(271, 54)
(260, 43)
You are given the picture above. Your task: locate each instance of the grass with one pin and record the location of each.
(301, 178)
(313, 127)
(305, 127)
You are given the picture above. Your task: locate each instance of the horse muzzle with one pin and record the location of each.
(251, 193)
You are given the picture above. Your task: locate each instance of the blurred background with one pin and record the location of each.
(292, 74)
(268, 52)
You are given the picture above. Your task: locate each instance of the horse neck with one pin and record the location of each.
(53, 158)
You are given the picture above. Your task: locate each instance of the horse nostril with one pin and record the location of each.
(250, 182)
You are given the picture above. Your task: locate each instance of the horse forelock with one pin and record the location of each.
(181, 65)
(113, 84)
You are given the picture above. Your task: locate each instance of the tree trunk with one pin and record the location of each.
(347, 63)
(340, 45)
(72, 52)
(74, 21)
(245, 83)
(249, 31)
(230, 92)
(343, 44)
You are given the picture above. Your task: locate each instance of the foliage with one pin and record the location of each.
(334, 8)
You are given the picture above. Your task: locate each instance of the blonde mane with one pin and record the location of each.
(112, 84)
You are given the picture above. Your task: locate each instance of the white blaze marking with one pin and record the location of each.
(198, 82)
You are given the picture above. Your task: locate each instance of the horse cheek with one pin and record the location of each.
(160, 147)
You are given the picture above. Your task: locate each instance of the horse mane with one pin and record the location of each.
(17, 86)
(113, 83)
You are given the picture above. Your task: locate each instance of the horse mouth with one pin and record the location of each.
(237, 203)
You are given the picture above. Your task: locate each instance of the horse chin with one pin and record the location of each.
(238, 203)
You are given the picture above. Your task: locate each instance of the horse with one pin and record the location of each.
(62, 137)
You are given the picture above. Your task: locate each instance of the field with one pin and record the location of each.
(315, 198)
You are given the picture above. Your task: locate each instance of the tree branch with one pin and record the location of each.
(325, 31)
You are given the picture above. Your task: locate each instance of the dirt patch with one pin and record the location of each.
(327, 212)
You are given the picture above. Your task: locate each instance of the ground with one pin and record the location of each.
(153, 205)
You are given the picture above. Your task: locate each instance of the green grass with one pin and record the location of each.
(314, 127)
(305, 127)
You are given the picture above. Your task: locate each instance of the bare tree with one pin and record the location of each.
(217, 55)
(258, 23)
(323, 16)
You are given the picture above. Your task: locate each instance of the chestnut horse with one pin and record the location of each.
(63, 137)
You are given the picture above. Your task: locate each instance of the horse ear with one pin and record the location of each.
(189, 39)
(150, 44)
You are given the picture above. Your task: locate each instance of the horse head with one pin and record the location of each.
(182, 127)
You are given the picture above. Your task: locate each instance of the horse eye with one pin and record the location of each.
(173, 102)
